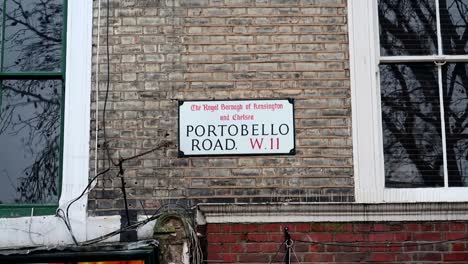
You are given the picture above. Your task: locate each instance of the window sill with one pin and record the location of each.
(330, 212)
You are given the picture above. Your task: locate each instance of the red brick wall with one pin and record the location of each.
(391, 242)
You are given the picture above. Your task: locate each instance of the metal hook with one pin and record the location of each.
(288, 244)
(440, 63)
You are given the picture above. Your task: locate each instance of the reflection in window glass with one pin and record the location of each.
(411, 125)
(33, 30)
(453, 24)
(455, 83)
(407, 27)
(30, 118)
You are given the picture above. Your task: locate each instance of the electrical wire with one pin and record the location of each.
(276, 254)
(29, 227)
(196, 253)
(192, 234)
(96, 116)
(119, 231)
(64, 215)
(104, 134)
(295, 255)
(143, 207)
(163, 144)
(158, 213)
(386, 244)
(106, 100)
(290, 247)
(85, 190)
(60, 215)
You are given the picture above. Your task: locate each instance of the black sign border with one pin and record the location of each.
(181, 154)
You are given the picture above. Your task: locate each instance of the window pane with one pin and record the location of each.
(453, 24)
(33, 32)
(455, 76)
(30, 138)
(411, 125)
(407, 27)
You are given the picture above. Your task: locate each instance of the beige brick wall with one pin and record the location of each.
(162, 51)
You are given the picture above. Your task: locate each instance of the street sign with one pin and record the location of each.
(236, 127)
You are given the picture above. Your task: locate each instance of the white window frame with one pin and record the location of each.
(77, 117)
(367, 127)
(49, 230)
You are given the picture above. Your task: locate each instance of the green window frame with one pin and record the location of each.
(148, 255)
(25, 208)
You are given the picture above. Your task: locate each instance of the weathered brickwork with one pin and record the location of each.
(390, 242)
(162, 51)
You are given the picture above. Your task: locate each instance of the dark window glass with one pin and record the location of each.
(30, 141)
(1, 26)
(407, 27)
(33, 30)
(411, 125)
(455, 83)
(453, 25)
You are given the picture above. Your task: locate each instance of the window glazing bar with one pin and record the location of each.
(442, 119)
(439, 32)
(441, 90)
(443, 58)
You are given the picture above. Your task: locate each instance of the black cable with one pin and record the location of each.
(161, 145)
(295, 255)
(276, 254)
(121, 171)
(84, 191)
(122, 174)
(143, 207)
(67, 224)
(386, 245)
(119, 231)
(65, 217)
(383, 243)
(288, 245)
(106, 98)
(124, 192)
(156, 215)
(104, 110)
(103, 120)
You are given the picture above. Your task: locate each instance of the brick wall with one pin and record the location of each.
(390, 242)
(164, 51)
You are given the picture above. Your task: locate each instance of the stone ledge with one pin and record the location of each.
(330, 212)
